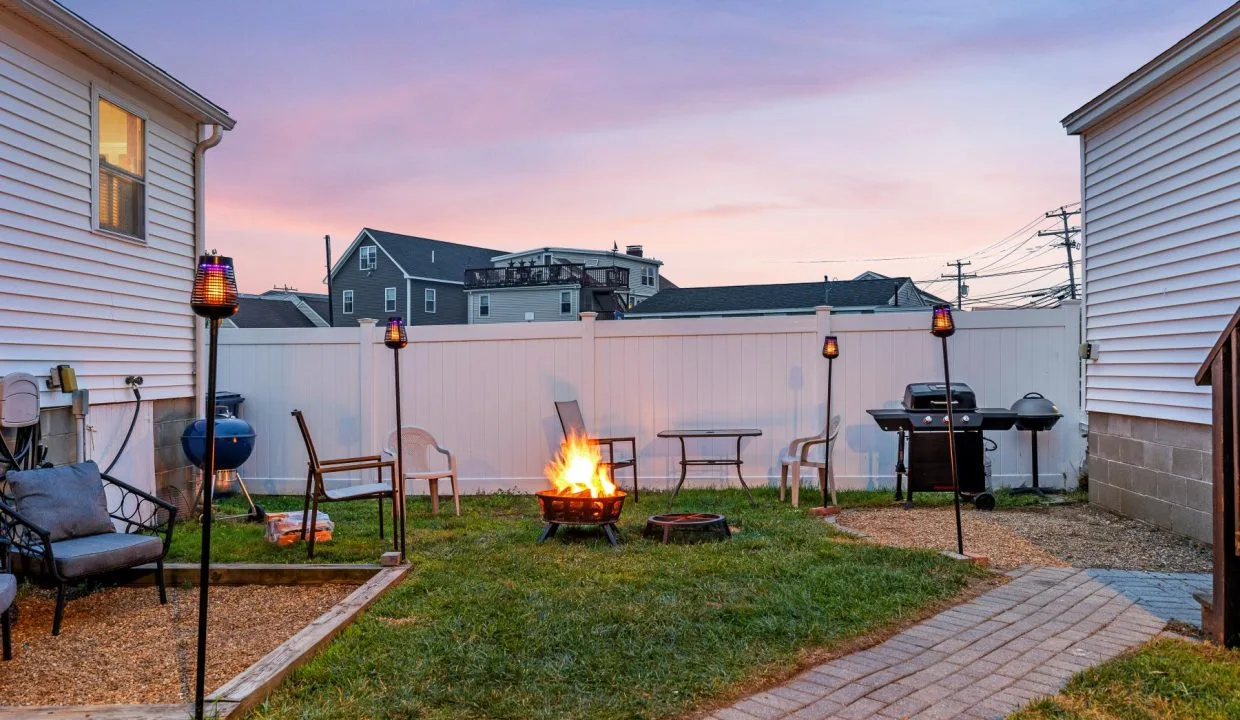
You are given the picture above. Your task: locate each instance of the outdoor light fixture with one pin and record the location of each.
(830, 350)
(395, 338)
(942, 326)
(214, 296)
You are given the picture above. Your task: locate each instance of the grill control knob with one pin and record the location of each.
(964, 419)
(927, 420)
(944, 419)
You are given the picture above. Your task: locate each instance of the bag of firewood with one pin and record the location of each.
(285, 528)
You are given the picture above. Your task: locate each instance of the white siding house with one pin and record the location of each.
(101, 184)
(1160, 168)
(540, 300)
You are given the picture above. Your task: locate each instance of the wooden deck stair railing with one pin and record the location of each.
(1221, 371)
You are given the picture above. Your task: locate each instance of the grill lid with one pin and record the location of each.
(1035, 412)
(932, 396)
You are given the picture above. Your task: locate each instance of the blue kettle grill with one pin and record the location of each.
(234, 441)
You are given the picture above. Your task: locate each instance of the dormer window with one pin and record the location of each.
(546, 258)
(368, 257)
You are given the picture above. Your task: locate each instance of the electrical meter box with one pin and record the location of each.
(19, 400)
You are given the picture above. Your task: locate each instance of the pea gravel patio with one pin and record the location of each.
(983, 659)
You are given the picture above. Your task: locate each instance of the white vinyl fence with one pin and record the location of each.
(486, 392)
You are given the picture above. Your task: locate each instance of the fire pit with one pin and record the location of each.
(582, 493)
(687, 527)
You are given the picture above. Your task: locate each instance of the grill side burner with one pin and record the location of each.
(560, 510)
(923, 418)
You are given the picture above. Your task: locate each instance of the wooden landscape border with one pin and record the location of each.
(255, 683)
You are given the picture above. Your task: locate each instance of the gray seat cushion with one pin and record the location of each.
(8, 591)
(67, 501)
(359, 491)
(80, 557)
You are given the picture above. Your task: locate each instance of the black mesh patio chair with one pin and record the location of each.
(571, 421)
(59, 523)
(8, 593)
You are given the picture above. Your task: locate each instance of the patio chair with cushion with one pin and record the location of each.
(316, 488)
(571, 421)
(796, 456)
(416, 446)
(8, 593)
(59, 523)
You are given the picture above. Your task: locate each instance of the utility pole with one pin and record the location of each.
(331, 315)
(960, 278)
(1068, 243)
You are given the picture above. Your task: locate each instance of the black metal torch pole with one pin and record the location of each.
(951, 449)
(208, 484)
(399, 485)
(827, 460)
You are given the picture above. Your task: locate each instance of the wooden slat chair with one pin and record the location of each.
(416, 445)
(796, 456)
(571, 421)
(317, 492)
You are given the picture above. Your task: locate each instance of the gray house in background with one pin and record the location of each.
(851, 296)
(550, 284)
(384, 273)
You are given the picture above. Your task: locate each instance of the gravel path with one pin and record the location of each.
(121, 646)
(1086, 536)
(1079, 535)
(935, 529)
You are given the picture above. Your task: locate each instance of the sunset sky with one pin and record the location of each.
(735, 140)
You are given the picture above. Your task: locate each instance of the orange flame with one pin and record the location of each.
(578, 469)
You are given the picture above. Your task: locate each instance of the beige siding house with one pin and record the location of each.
(100, 221)
(1161, 227)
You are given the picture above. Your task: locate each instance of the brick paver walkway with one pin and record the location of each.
(1165, 594)
(982, 659)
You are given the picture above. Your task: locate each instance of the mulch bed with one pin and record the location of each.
(120, 645)
(935, 529)
(1079, 535)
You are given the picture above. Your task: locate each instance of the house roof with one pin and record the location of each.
(930, 299)
(412, 254)
(259, 311)
(575, 251)
(1220, 30)
(317, 302)
(73, 30)
(787, 297)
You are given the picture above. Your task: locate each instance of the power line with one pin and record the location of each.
(960, 278)
(1068, 243)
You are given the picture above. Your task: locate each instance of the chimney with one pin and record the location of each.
(634, 250)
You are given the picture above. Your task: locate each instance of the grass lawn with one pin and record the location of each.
(490, 625)
(1165, 680)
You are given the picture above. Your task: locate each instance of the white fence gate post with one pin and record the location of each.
(366, 383)
(587, 366)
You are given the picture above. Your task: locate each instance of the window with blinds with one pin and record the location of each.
(121, 152)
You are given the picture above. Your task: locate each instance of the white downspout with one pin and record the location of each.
(200, 241)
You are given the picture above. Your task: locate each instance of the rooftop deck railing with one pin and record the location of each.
(557, 274)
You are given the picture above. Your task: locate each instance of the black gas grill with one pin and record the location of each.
(923, 418)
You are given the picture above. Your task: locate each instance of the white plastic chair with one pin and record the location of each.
(796, 456)
(416, 445)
